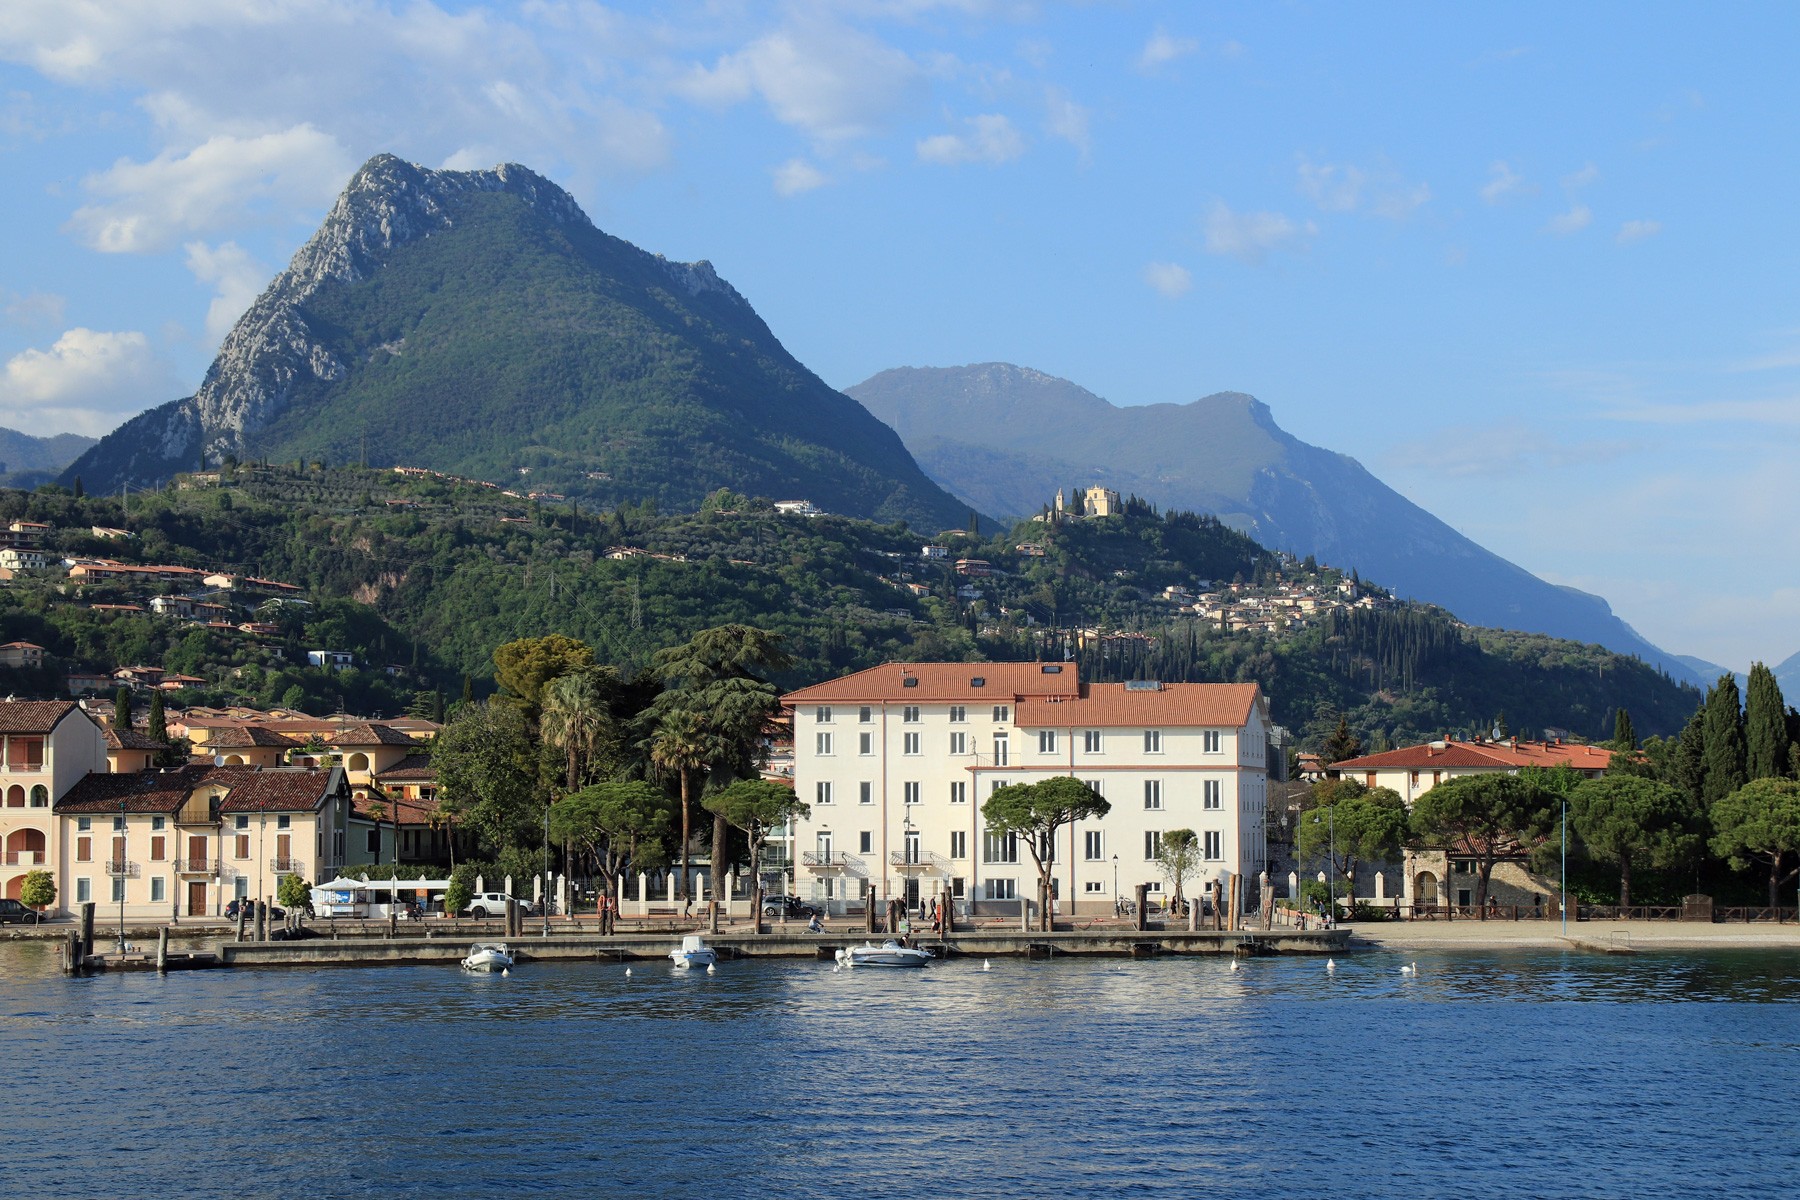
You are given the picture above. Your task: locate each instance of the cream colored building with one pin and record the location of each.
(46, 748)
(895, 762)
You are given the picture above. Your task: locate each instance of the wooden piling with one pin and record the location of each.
(87, 930)
(712, 916)
(162, 950)
(1142, 917)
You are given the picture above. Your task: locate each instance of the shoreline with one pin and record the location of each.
(1605, 937)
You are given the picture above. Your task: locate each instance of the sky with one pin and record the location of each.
(1533, 265)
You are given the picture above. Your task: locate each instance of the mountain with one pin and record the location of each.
(1007, 437)
(476, 322)
(1787, 675)
(26, 461)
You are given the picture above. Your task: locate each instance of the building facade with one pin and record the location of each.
(896, 761)
(46, 748)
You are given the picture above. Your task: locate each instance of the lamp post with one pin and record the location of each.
(120, 877)
(1117, 899)
(1563, 900)
(1330, 858)
(546, 896)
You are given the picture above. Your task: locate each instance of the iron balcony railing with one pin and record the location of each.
(824, 858)
(199, 866)
(919, 860)
(287, 866)
(123, 870)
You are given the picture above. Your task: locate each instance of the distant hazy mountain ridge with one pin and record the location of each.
(26, 461)
(477, 322)
(1006, 437)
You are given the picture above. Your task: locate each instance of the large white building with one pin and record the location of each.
(895, 762)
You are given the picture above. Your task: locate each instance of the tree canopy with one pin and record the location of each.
(1355, 825)
(1634, 823)
(1484, 817)
(1033, 812)
(1759, 824)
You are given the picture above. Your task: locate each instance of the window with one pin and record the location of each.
(1096, 786)
(959, 791)
(865, 842)
(118, 889)
(959, 843)
(909, 743)
(84, 823)
(1002, 712)
(958, 887)
(999, 848)
(958, 714)
(1212, 794)
(1093, 845)
(910, 790)
(84, 890)
(1093, 885)
(910, 714)
(1046, 741)
(822, 743)
(1000, 750)
(84, 849)
(865, 792)
(865, 743)
(1152, 741)
(1369, 780)
(1152, 794)
(822, 792)
(157, 824)
(1152, 844)
(1211, 847)
(242, 888)
(118, 824)
(1000, 889)
(1155, 888)
(242, 849)
(40, 796)
(158, 889)
(241, 821)
(283, 821)
(1090, 741)
(822, 714)
(24, 753)
(374, 841)
(1209, 741)
(158, 849)
(959, 743)
(865, 715)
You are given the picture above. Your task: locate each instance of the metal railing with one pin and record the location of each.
(287, 866)
(824, 858)
(923, 860)
(199, 866)
(120, 869)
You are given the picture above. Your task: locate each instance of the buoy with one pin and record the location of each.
(709, 968)
(628, 972)
(986, 965)
(1331, 964)
(505, 971)
(1235, 965)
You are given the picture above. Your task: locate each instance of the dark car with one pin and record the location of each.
(17, 913)
(249, 907)
(794, 908)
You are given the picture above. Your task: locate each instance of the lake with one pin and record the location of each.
(1534, 1074)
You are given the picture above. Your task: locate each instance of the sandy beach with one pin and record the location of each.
(1604, 936)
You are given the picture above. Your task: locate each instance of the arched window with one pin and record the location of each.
(15, 796)
(357, 762)
(40, 796)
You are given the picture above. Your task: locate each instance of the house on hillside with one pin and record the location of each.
(23, 655)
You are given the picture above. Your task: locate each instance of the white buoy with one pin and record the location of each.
(838, 969)
(1235, 966)
(1331, 964)
(628, 972)
(709, 968)
(506, 970)
(986, 965)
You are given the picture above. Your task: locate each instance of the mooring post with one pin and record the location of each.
(869, 913)
(712, 916)
(162, 950)
(1194, 915)
(1024, 915)
(87, 931)
(240, 922)
(1142, 917)
(72, 954)
(262, 922)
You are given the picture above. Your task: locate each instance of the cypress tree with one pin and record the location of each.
(1624, 736)
(468, 693)
(1765, 726)
(122, 708)
(1690, 757)
(156, 728)
(1724, 723)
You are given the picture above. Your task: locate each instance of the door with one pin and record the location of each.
(196, 854)
(824, 845)
(118, 854)
(196, 905)
(284, 843)
(912, 848)
(912, 893)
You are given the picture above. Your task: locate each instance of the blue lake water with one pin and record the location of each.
(1527, 1074)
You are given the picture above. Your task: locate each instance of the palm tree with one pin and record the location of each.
(681, 745)
(578, 720)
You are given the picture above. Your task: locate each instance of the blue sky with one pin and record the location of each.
(1532, 266)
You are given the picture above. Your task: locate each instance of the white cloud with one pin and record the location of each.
(32, 309)
(1778, 412)
(146, 205)
(1379, 191)
(991, 139)
(84, 383)
(1579, 217)
(1067, 120)
(1503, 182)
(1332, 188)
(1170, 280)
(1250, 237)
(1582, 178)
(1162, 49)
(236, 278)
(797, 175)
(833, 82)
(1637, 231)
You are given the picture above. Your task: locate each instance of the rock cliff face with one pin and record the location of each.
(477, 322)
(1007, 437)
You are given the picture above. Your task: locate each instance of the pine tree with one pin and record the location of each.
(468, 692)
(122, 708)
(79, 490)
(1690, 757)
(156, 728)
(1765, 726)
(1624, 736)
(1724, 741)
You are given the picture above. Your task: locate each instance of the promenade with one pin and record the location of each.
(1608, 936)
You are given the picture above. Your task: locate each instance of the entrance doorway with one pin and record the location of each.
(196, 905)
(1425, 888)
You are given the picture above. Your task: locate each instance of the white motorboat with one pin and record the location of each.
(488, 956)
(889, 954)
(694, 952)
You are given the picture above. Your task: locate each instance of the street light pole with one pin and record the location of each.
(1331, 857)
(119, 866)
(1117, 899)
(1563, 900)
(546, 870)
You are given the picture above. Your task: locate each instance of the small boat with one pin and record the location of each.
(889, 954)
(694, 952)
(488, 956)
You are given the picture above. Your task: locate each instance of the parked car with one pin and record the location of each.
(493, 904)
(17, 913)
(249, 907)
(793, 907)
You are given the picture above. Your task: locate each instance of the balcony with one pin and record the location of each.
(827, 861)
(922, 862)
(199, 866)
(287, 866)
(120, 869)
(24, 858)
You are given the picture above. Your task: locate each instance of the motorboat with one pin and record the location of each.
(694, 952)
(889, 954)
(488, 956)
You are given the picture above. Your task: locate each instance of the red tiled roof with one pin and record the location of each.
(130, 739)
(412, 767)
(368, 734)
(284, 789)
(33, 716)
(943, 682)
(1111, 704)
(237, 737)
(249, 789)
(1499, 756)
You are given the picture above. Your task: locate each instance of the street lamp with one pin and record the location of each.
(1330, 857)
(1563, 900)
(120, 877)
(1117, 899)
(546, 893)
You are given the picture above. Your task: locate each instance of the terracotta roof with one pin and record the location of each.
(368, 734)
(1113, 704)
(412, 767)
(142, 791)
(1499, 756)
(284, 789)
(130, 739)
(20, 646)
(938, 683)
(249, 789)
(33, 716)
(230, 737)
